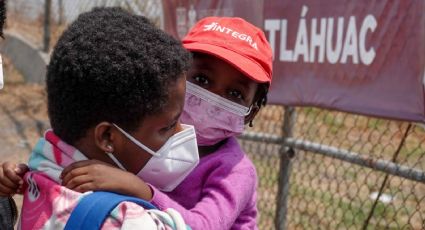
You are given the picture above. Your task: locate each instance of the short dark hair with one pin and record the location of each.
(110, 65)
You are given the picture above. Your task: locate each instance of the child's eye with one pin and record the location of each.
(201, 79)
(236, 94)
(168, 128)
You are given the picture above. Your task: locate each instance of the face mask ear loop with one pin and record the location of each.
(136, 142)
(249, 110)
(115, 160)
(247, 113)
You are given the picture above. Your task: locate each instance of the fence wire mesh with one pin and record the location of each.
(28, 17)
(329, 193)
(324, 192)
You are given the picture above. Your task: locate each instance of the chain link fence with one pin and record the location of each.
(43, 21)
(341, 171)
(317, 169)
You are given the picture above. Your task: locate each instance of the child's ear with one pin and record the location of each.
(254, 110)
(104, 137)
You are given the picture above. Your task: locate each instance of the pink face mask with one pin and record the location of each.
(215, 118)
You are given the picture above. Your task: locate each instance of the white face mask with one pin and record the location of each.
(172, 163)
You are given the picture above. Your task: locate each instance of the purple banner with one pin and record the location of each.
(365, 57)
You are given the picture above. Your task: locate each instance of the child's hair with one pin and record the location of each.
(260, 98)
(110, 66)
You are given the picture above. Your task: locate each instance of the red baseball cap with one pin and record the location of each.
(236, 41)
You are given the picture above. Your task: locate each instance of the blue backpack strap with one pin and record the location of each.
(93, 209)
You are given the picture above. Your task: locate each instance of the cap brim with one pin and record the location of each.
(245, 65)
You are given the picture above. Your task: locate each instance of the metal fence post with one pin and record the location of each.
(61, 20)
(285, 169)
(46, 34)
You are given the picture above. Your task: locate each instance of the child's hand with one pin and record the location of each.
(94, 175)
(11, 178)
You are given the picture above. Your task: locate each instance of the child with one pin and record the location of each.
(227, 85)
(109, 72)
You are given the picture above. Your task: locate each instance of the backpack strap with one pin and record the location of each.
(93, 209)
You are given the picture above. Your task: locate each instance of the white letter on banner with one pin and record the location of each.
(369, 23)
(272, 25)
(301, 44)
(318, 40)
(285, 54)
(350, 44)
(333, 55)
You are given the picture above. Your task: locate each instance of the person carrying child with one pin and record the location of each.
(109, 72)
(226, 87)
